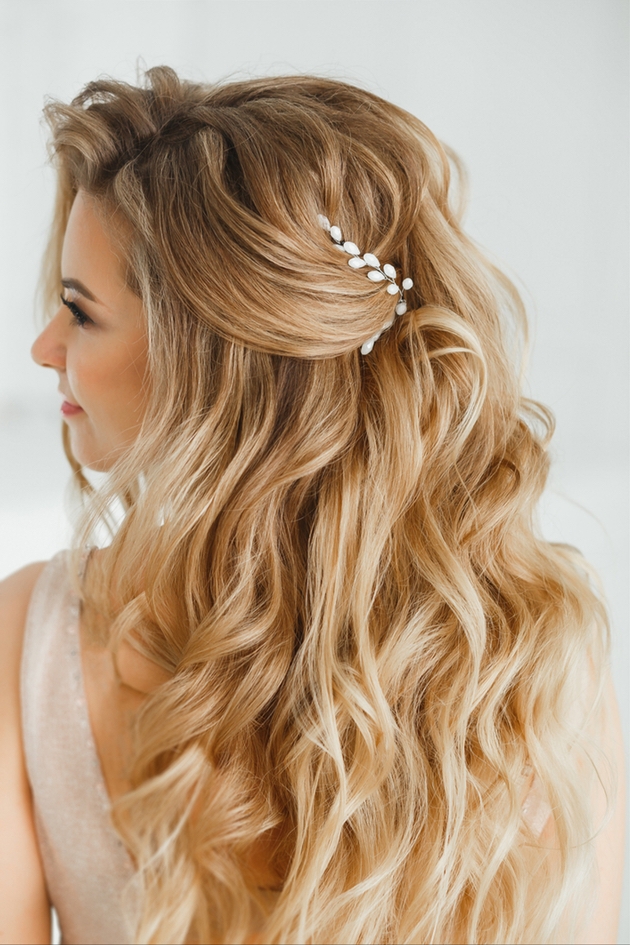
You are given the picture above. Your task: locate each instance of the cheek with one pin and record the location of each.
(94, 387)
(109, 387)
(89, 384)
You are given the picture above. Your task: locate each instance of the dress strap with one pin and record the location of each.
(86, 554)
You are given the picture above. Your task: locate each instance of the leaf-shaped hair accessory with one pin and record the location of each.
(376, 273)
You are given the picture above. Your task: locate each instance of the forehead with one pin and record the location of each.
(90, 253)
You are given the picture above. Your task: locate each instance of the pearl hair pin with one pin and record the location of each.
(375, 273)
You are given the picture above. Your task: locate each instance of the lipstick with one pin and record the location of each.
(70, 410)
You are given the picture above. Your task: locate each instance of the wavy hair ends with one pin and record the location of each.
(334, 556)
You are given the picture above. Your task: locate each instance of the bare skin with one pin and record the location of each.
(98, 346)
(101, 366)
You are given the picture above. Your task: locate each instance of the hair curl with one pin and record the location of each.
(334, 556)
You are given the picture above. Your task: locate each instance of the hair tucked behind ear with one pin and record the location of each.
(333, 555)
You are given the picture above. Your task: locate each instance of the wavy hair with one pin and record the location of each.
(335, 557)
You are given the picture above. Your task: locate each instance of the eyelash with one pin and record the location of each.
(79, 316)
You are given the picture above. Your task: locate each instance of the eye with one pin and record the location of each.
(79, 317)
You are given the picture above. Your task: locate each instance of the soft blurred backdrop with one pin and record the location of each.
(533, 94)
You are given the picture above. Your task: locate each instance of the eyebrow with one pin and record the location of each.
(80, 288)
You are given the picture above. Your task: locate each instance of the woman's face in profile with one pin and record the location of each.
(96, 342)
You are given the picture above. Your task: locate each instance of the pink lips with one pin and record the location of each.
(69, 410)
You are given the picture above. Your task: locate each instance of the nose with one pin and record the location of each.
(49, 348)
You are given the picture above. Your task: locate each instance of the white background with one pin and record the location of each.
(533, 94)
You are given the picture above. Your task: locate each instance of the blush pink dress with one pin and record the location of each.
(89, 874)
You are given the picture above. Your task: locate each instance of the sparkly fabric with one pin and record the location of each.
(89, 875)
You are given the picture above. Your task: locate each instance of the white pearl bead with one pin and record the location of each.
(389, 271)
(407, 284)
(401, 308)
(372, 260)
(356, 262)
(324, 222)
(393, 289)
(335, 232)
(375, 275)
(352, 248)
(369, 344)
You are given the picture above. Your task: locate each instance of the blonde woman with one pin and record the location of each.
(325, 682)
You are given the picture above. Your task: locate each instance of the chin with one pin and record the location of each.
(101, 464)
(90, 456)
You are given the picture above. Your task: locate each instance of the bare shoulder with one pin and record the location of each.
(24, 909)
(18, 587)
(609, 823)
(15, 596)
(598, 757)
(606, 757)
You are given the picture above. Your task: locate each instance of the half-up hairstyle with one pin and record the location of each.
(334, 556)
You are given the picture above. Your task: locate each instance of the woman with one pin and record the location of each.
(324, 682)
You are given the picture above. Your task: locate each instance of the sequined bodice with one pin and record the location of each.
(89, 875)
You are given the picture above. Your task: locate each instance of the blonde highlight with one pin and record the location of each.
(335, 557)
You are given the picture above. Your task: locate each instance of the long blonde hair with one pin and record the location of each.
(335, 556)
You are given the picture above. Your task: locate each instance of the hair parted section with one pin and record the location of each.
(335, 557)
